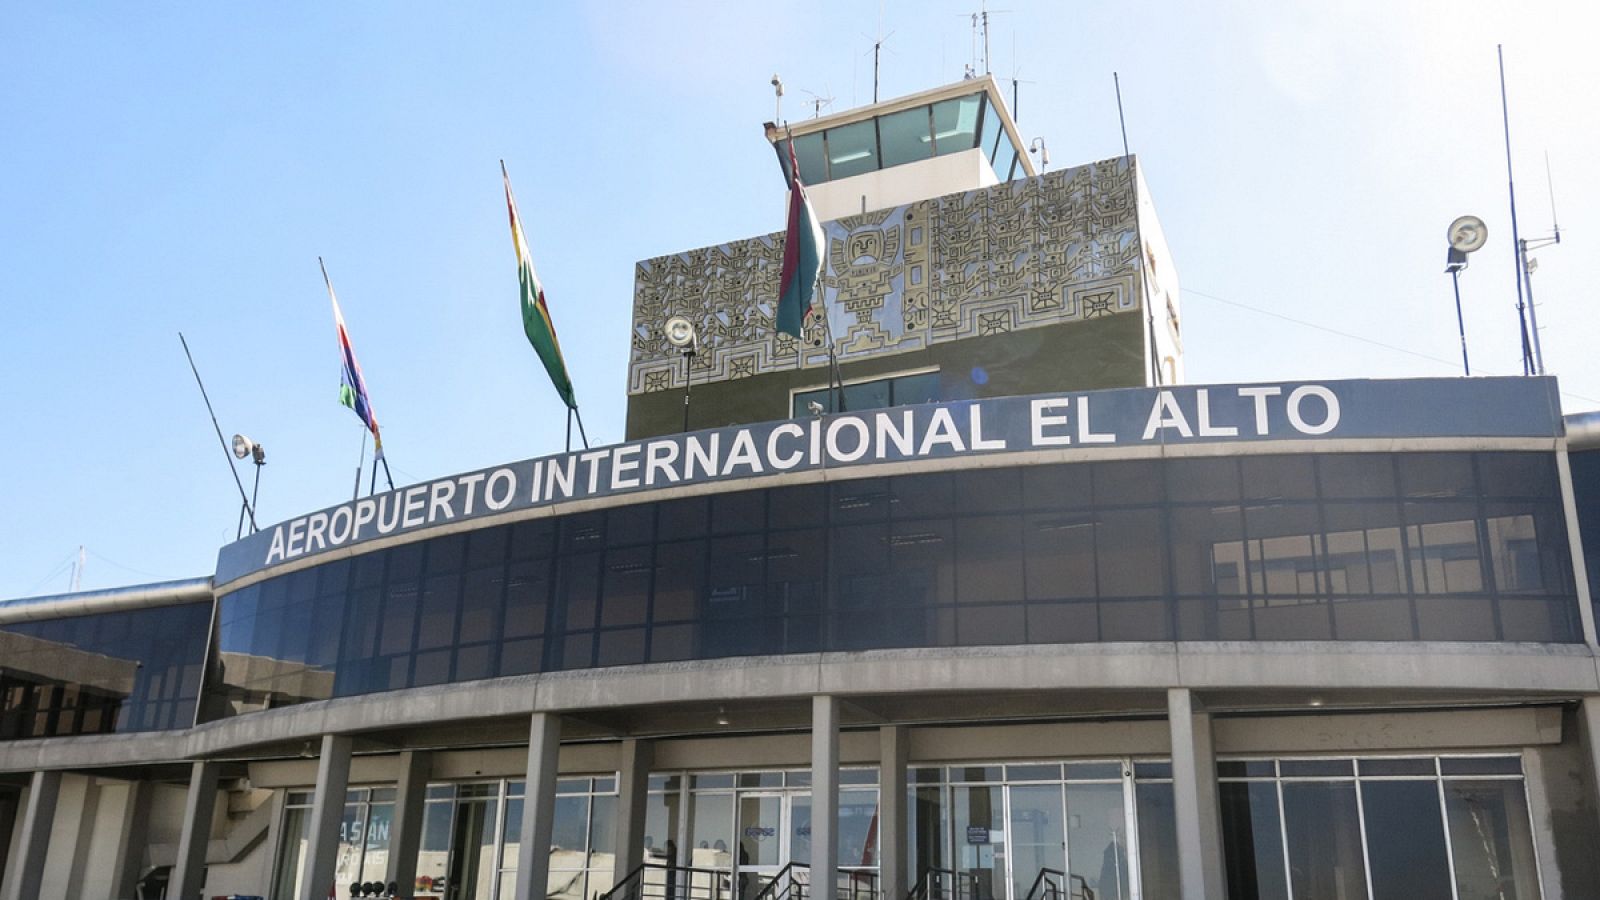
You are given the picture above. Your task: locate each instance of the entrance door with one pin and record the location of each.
(1037, 832)
(762, 835)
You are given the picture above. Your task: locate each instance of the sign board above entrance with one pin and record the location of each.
(1188, 414)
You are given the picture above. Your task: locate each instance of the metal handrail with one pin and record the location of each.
(1048, 885)
(793, 887)
(928, 879)
(675, 883)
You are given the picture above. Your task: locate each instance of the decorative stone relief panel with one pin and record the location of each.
(1056, 248)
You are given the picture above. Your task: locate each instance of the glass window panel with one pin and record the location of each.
(808, 151)
(1060, 557)
(1246, 768)
(627, 575)
(711, 830)
(471, 875)
(1033, 773)
(1356, 475)
(527, 598)
(991, 128)
(1436, 475)
(1283, 558)
(1057, 487)
(907, 136)
(683, 518)
(852, 150)
(628, 525)
(867, 395)
(578, 584)
(1442, 548)
(858, 828)
(1456, 618)
(1132, 483)
(1519, 475)
(1481, 765)
(1158, 841)
(1315, 768)
(1491, 840)
(621, 647)
(488, 546)
(988, 490)
(1405, 840)
(978, 831)
(741, 513)
(1203, 480)
(928, 832)
(1363, 548)
(441, 598)
(989, 560)
(399, 617)
(661, 826)
(434, 851)
(296, 839)
(375, 856)
(1097, 839)
(1323, 844)
(480, 604)
(1252, 843)
(351, 840)
(955, 124)
(1379, 767)
(861, 500)
(1005, 158)
(1036, 834)
(922, 563)
(911, 390)
(680, 577)
(921, 496)
(799, 506)
(1278, 478)
(1130, 552)
(1208, 550)
(534, 539)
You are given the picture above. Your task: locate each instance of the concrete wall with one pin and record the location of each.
(907, 183)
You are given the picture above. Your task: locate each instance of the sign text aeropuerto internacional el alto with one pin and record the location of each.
(1507, 407)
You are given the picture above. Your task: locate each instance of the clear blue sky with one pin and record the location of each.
(177, 167)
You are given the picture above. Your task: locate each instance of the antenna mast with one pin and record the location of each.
(1518, 252)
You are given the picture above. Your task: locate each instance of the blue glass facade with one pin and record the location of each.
(1398, 547)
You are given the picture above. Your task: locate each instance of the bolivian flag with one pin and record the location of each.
(535, 315)
(802, 256)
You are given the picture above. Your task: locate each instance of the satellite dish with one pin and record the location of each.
(680, 333)
(242, 446)
(1467, 234)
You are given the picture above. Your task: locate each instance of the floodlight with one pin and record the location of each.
(1468, 233)
(681, 334)
(242, 446)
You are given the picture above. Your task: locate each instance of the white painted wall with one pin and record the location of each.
(905, 183)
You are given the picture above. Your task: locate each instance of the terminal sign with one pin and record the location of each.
(1346, 410)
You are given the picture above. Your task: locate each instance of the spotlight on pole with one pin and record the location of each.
(681, 334)
(244, 448)
(1466, 234)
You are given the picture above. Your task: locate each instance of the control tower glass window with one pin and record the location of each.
(852, 149)
(955, 124)
(907, 136)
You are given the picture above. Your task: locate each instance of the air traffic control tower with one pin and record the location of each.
(954, 270)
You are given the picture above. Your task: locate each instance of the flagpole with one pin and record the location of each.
(834, 376)
(581, 433)
(360, 456)
(569, 429)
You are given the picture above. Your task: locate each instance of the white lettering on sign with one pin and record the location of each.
(890, 435)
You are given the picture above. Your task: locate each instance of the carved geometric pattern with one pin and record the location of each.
(1055, 248)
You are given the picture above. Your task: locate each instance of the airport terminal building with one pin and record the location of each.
(1002, 610)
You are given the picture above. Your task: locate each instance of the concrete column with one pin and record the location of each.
(129, 863)
(327, 811)
(87, 813)
(824, 797)
(1194, 793)
(634, 758)
(405, 829)
(893, 751)
(189, 872)
(539, 806)
(26, 870)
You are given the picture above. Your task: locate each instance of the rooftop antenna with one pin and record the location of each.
(77, 570)
(1529, 264)
(818, 102)
(980, 29)
(877, 50)
(250, 510)
(1016, 70)
(1528, 366)
(777, 109)
(1144, 283)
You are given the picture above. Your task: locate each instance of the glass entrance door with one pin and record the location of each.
(1035, 815)
(762, 838)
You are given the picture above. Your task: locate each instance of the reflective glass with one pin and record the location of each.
(852, 150)
(1036, 833)
(1097, 840)
(808, 150)
(1491, 840)
(1252, 841)
(1158, 841)
(955, 124)
(991, 129)
(906, 136)
(1324, 841)
(1406, 852)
